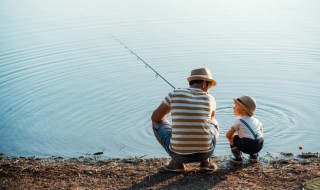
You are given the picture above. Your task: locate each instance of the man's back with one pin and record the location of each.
(191, 111)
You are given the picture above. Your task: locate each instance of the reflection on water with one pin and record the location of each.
(68, 88)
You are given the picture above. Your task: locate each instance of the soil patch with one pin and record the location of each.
(137, 173)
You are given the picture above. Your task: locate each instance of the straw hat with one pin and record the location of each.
(202, 74)
(248, 103)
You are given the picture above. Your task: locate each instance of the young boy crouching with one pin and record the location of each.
(246, 133)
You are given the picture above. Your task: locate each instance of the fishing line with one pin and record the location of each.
(147, 65)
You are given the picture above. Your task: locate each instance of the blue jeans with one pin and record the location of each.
(163, 130)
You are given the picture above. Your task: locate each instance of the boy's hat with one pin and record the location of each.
(248, 103)
(202, 74)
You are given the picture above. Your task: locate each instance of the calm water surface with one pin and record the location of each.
(67, 88)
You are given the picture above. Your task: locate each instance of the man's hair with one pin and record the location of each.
(197, 82)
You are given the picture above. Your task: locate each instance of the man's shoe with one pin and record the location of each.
(253, 158)
(208, 166)
(236, 160)
(174, 166)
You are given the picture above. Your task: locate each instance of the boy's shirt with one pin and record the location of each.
(243, 130)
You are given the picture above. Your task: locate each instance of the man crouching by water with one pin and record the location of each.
(194, 132)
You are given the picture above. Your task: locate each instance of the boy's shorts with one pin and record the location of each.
(247, 145)
(163, 131)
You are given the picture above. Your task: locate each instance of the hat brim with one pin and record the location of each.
(243, 106)
(213, 82)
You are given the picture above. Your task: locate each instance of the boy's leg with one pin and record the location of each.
(249, 146)
(235, 151)
(254, 156)
(236, 158)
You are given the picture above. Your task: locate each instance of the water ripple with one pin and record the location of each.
(68, 88)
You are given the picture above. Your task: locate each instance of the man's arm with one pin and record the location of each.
(160, 113)
(212, 115)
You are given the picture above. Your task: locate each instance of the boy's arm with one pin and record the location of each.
(230, 133)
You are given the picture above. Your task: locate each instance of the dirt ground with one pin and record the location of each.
(288, 172)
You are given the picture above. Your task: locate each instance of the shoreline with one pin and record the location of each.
(289, 172)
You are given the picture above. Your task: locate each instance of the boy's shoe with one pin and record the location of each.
(174, 166)
(253, 158)
(236, 160)
(235, 152)
(208, 166)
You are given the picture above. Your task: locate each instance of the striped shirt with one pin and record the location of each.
(191, 111)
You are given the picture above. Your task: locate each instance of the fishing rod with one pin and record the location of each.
(139, 58)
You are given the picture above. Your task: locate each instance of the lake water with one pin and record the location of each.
(68, 88)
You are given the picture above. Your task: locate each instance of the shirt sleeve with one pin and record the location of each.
(236, 125)
(167, 99)
(213, 104)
